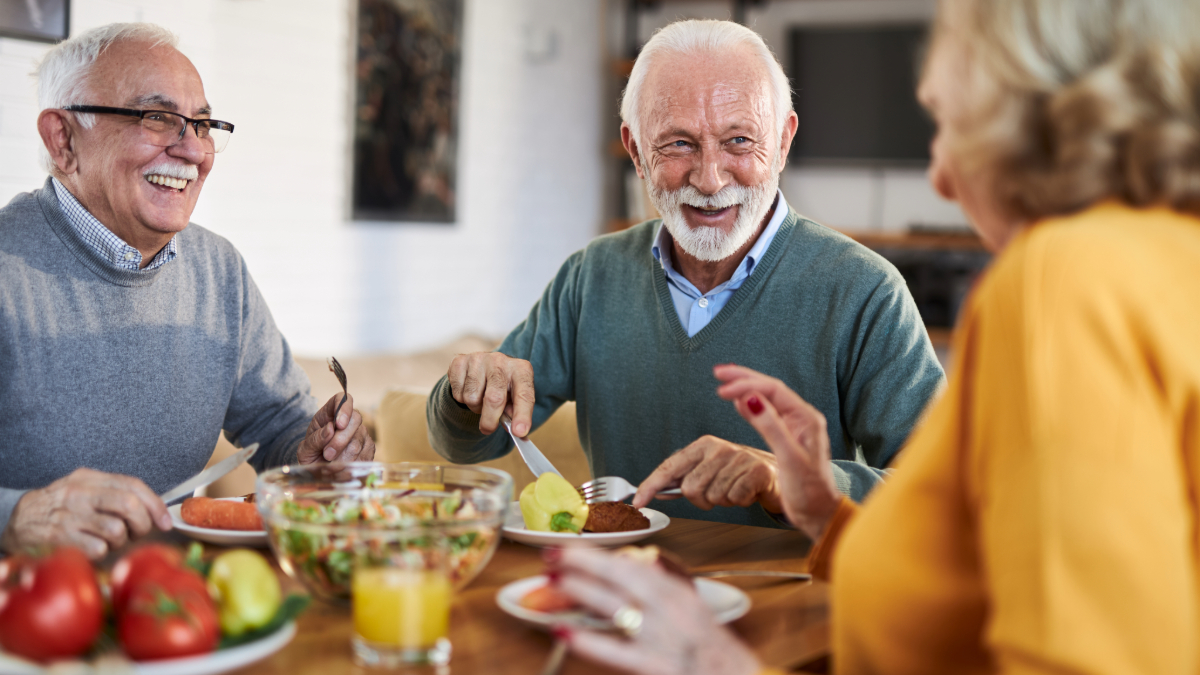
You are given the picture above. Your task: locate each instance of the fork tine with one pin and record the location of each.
(589, 491)
(341, 378)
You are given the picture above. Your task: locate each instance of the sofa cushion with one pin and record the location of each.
(402, 436)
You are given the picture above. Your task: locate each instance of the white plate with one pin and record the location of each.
(214, 536)
(514, 528)
(726, 602)
(220, 661)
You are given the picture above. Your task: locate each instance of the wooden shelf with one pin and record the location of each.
(918, 240)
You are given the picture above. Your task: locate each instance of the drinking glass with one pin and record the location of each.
(400, 598)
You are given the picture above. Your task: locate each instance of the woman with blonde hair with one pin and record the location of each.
(1043, 518)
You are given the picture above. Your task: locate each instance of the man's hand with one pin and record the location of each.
(94, 511)
(491, 384)
(797, 434)
(344, 439)
(714, 472)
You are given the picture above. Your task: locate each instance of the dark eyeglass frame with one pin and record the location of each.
(141, 114)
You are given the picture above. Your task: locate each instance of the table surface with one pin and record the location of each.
(787, 625)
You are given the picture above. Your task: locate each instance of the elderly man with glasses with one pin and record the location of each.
(128, 338)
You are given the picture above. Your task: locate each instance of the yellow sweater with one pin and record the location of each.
(1042, 518)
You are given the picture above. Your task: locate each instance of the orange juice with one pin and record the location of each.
(409, 609)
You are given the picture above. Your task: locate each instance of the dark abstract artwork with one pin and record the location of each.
(406, 110)
(42, 20)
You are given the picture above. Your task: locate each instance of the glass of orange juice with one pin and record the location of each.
(400, 598)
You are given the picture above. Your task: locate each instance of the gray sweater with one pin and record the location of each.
(829, 317)
(133, 372)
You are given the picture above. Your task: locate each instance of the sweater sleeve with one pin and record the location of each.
(8, 501)
(546, 338)
(892, 374)
(1086, 509)
(270, 404)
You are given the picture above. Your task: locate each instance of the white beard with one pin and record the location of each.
(706, 243)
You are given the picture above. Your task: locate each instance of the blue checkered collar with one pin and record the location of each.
(100, 238)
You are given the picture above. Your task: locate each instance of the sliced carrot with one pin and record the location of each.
(220, 515)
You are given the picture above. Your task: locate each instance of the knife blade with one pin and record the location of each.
(782, 576)
(533, 457)
(210, 474)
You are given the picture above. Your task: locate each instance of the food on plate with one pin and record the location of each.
(614, 517)
(324, 557)
(162, 605)
(50, 607)
(219, 514)
(551, 504)
(246, 589)
(144, 563)
(550, 600)
(168, 617)
(547, 599)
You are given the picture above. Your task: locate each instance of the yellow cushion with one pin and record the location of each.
(402, 436)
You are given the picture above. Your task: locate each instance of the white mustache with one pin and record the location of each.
(730, 195)
(172, 170)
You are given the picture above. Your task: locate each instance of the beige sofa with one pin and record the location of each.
(391, 391)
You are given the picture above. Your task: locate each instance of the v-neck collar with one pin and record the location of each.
(750, 287)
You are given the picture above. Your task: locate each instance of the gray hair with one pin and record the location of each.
(62, 73)
(1070, 102)
(703, 37)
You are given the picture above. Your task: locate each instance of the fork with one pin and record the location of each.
(341, 378)
(614, 489)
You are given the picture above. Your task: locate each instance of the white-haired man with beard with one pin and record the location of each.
(128, 338)
(633, 325)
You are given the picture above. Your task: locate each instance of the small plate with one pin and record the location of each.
(215, 536)
(726, 602)
(220, 661)
(514, 528)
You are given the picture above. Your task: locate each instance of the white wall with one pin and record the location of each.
(843, 197)
(530, 163)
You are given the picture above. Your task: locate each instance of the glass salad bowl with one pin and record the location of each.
(318, 516)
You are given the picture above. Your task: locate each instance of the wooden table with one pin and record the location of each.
(787, 625)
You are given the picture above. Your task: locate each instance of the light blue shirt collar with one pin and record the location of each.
(103, 241)
(695, 309)
(663, 242)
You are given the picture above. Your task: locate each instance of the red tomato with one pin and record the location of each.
(146, 563)
(167, 618)
(49, 607)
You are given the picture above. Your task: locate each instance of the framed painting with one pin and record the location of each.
(406, 76)
(41, 20)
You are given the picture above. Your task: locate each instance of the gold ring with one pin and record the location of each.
(628, 620)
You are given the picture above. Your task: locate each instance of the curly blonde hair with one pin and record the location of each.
(1076, 101)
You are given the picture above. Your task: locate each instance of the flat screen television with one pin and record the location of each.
(855, 94)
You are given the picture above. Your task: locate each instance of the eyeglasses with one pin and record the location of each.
(165, 128)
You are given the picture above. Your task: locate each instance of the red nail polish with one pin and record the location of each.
(552, 555)
(561, 633)
(553, 576)
(755, 405)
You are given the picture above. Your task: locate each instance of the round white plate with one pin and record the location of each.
(514, 528)
(220, 661)
(222, 537)
(726, 602)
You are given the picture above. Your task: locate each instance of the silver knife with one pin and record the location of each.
(210, 474)
(533, 457)
(795, 576)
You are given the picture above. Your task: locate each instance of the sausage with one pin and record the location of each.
(220, 515)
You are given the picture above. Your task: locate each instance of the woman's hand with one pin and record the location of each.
(795, 431)
(678, 635)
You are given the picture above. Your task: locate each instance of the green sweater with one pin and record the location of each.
(830, 318)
